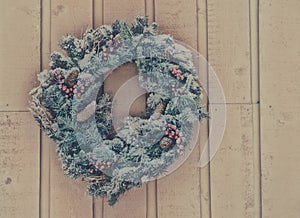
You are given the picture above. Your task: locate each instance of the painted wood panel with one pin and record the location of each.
(67, 197)
(19, 165)
(19, 53)
(229, 47)
(280, 106)
(232, 53)
(205, 192)
(32, 183)
(179, 192)
(233, 181)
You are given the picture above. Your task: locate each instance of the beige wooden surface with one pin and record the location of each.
(254, 48)
(280, 106)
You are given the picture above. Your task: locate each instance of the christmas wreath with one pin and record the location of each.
(74, 111)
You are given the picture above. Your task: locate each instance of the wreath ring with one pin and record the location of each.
(78, 116)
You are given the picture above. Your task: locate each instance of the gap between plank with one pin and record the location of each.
(207, 107)
(259, 108)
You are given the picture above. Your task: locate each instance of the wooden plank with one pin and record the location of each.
(127, 10)
(233, 179)
(98, 205)
(179, 192)
(19, 165)
(254, 58)
(20, 52)
(151, 186)
(280, 105)
(179, 19)
(45, 149)
(149, 10)
(256, 160)
(98, 14)
(132, 203)
(229, 48)
(69, 17)
(151, 199)
(67, 197)
(202, 49)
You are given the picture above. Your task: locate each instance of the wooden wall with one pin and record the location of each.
(254, 48)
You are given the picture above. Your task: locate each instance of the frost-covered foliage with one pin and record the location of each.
(115, 160)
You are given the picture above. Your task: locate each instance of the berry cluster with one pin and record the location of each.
(176, 72)
(177, 92)
(101, 165)
(80, 87)
(172, 132)
(69, 91)
(58, 76)
(110, 46)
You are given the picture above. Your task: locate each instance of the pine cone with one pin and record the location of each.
(72, 78)
(166, 143)
(94, 179)
(160, 108)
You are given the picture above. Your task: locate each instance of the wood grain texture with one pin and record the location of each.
(19, 165)
(280, 106)
(232, 169)
(229, 48)
(67, 197)
(19, 53)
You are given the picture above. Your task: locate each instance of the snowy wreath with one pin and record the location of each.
(77, 114)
